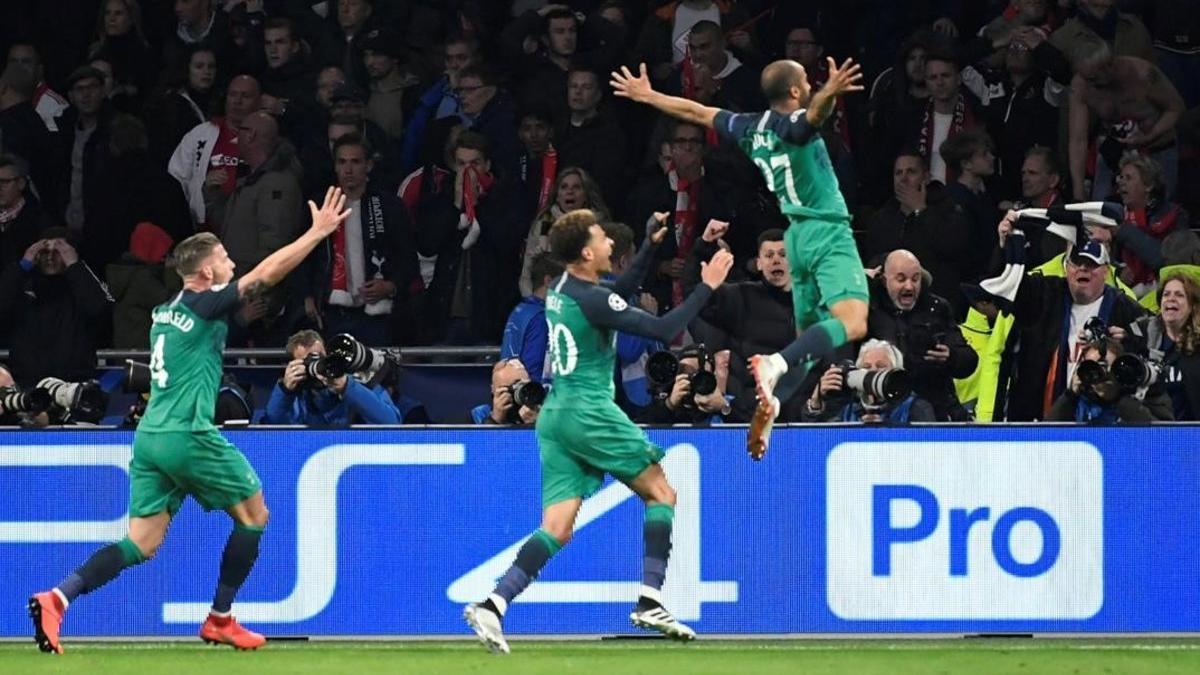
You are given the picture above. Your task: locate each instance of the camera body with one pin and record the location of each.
(343, 355)
(663, 367)
(875, 388)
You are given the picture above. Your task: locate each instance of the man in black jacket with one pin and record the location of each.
(56, 307)
(21, 218)
(922, 326)
(85, 158)
(1051, 314)
(354, 281)
(748, 317)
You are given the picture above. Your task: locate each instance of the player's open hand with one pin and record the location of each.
(333, 212)
(635, 88)
(845, 78)
(714, 272)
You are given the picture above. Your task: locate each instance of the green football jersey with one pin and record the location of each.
(582, 355)
(793, 160)
(187, 338)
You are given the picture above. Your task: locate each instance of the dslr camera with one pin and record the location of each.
(1129, 374)
(66, 402)
(662, 368)
(879, 386)
(343, 355)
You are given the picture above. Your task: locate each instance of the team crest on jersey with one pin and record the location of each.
(617, 303)
(797, 115)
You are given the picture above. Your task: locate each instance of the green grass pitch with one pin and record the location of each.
(1132, 656)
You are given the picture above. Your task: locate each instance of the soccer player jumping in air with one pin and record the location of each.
(177, 450)
(829, 289)
(581, 432)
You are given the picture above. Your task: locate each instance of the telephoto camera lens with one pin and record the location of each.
(137, 377)
(661, 368)
(350, 355)
(702, 383)
(1134, 372)
(1091, 373)
(85, 401)
(13, 400)
(890, 385)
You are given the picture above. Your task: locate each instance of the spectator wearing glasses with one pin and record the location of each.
(489, 110)
(86, 157)
(438, 101)
(21, 217)
(591, 137)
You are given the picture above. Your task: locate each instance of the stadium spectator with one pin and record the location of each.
(573, 190)
(343, 45)
(472, 231)
(85, 153)
(314, 400)
(287, 82)
(121, 41)
(1051, 314)
(57, 309)
(898, 94)
(264, 211)
(508, 377)
(662, 42)
(139, 282)
(538, 167)
(632, 391)
(1104, 400)
(183, 105)
(1170, 337)
(390, 85)
(1041, 187)
(1142, 190)
(439, 100)
(951, 108)
(360, 280)
(329, 79)
(22, 131)
(922, 326)
(675, 401)
(749, 317)
(736, 82)
(833, 401)
(213, 147)
(969, 157)
(591, 137)
(923, 221)
(1122, 103)
(21, 217)
(48, 103)
(1124, 34)
(1175, 28)
(489, 110)
(349, 106)
(200, 22)
(525, 334)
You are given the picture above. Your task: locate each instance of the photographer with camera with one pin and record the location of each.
(921, 325)
(688, 386)
(51, 402)
(516, 398)
(1109, 386)
(875, 388)
(318, 388)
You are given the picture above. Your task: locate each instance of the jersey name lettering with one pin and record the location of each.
(178, 319)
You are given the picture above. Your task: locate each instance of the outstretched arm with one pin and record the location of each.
(638, 88)
(275, 267)
(842, 80)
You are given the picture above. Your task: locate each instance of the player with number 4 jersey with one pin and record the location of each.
(829, 288)
(177, 449)
(581, 432)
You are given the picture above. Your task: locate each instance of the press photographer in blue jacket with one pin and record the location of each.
(302, 397)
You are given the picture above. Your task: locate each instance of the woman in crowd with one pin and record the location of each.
(184, 104)
(1172, 337)
(1142, 190)
(574, 189)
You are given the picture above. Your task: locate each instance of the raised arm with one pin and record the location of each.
(631, 279)
(842, 80)
(325, 221)
(637, 88)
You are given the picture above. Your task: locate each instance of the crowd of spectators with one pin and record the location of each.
(462, 129)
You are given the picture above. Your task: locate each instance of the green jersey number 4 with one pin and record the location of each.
(789, 179)
(158, 367)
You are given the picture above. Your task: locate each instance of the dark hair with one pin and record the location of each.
(190, 252)
(473, 140)
(352, 139)
(962, 146)
(943, 55)
(486, 75)
(557, 14)
(18, 164)
(462, 39)
(544, 265)
(537, 111)
(773, 234)
(277, 22)
(580, 68)
(911, 152)
(810, 27)
(622, 238)
(706, 27)
(305, 338)
(19, 80)
(570, 234)
(1047, 155)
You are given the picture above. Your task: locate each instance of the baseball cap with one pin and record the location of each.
(1090, 252)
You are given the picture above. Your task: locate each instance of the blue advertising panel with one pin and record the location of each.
(839, 530)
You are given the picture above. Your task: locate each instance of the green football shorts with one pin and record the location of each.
(825, 268)
(579, 445)
(170, 465)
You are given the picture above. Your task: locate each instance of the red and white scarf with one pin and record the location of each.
(10, 214)
(687, 81)
(687, 220)
(1157, 223)
(549, 173)
(962, 119)
(469, 220)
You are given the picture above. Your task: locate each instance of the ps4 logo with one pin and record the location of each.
(958, 531)
(316, 516)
